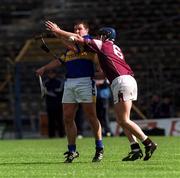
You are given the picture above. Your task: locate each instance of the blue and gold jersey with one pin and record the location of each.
(79, 63)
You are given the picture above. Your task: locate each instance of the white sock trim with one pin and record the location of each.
(144, 139)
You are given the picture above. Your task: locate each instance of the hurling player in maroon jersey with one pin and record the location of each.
(123, 84)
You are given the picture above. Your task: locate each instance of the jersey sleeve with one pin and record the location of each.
(94, 44)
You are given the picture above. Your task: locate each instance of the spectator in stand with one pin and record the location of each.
(155, 107)
(79, 120)
(166, 108)
(54, 91)
(102, 105)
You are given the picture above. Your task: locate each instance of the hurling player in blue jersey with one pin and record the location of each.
(79, 88)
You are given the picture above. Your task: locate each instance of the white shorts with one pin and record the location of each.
(124, 88)
(79, 90)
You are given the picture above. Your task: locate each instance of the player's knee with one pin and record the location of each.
(68, 121)
(68, 118)
(122, 122)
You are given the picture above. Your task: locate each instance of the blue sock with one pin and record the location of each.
(99, 144)
(72, 148)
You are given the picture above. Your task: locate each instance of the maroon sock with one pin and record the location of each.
(147, 142)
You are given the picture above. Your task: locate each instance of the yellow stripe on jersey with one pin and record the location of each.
(70, 55)
(79, 62)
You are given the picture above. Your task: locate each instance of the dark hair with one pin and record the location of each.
(85, 24)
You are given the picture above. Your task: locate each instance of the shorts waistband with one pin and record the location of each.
(80, 78)
(119, 78)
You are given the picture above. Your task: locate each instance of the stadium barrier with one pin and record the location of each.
(163, 126)
(43, 123)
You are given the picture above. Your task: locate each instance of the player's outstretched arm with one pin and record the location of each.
(62, 33)
(53, 64)
(68, 44)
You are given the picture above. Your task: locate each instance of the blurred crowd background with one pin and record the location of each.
(147, 32)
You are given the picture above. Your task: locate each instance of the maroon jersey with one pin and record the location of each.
(110, 57)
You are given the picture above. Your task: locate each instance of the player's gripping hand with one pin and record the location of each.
(40, 71)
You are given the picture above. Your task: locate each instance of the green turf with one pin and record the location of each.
(44, 158)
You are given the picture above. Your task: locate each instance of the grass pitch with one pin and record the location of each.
(44, 158)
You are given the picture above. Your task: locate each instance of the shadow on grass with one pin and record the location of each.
(42, 163)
